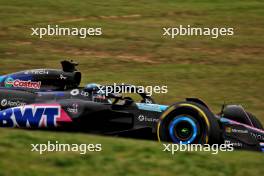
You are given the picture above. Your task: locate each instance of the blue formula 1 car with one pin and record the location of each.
(52, 99)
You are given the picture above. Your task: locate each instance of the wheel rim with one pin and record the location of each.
(183, 129)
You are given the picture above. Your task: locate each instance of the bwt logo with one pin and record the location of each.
(30, 116)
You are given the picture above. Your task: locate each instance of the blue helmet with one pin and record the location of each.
(92, 87)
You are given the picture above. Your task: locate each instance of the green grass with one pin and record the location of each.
(118, 157)
(133, 50)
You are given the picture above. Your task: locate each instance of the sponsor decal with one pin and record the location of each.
(144, 118)
(33, 116)
(62, 77)
(12, 103)
(235, 144)
(239, 131)
(73, 109)
(76, 92)
(148, 101)
(234, 130)
(141, 118)
(10, 82)
(37, 72)
(7, 85)
(83, 93)
(257, 136)
(4, 102)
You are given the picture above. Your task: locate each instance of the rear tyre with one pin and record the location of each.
(188, 122)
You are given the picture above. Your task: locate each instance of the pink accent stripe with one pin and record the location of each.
(52, 104)
(64, 117)
(253, 128)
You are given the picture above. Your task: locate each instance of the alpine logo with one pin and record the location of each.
(10, 82)
(33, 116)
(12, 103)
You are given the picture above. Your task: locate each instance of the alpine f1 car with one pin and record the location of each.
(52, 99)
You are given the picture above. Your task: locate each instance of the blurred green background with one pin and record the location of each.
(133, 50)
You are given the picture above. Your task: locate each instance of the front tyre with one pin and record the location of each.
(188, 123)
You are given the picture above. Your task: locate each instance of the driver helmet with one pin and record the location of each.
(92, 87)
